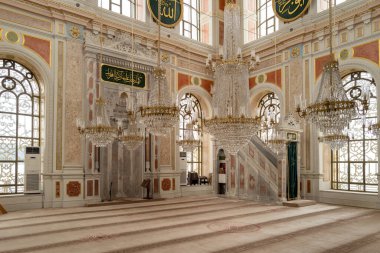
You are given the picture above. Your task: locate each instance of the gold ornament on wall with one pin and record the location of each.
(165, 58)
(344, 54)
(261, 78)
(75, 32)
(12, 37)
(295, 52)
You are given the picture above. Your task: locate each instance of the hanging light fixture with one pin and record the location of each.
(160, 115)
(336, 141)
(332, 110)
(188, 142)
(231, 124)
(132, 137)
(99, 131)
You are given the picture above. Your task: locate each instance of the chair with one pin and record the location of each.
(193, 178)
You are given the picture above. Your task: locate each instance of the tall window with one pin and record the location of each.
(19, 122)
(324, 4)
(354, 167)
(190, 111)
(268, 110)
(190, 24)
(267, 22)
(129, 8)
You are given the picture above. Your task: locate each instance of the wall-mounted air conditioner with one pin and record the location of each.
(32, 176)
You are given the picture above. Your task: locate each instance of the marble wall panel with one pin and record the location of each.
(73, 102)
(164, 149)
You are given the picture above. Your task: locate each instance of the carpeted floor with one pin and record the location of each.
(192, 225)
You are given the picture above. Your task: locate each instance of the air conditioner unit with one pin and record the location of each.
(32, 176)
(182, 167)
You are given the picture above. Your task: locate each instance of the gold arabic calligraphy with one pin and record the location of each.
(123, 76)
(169, 8)
(289, 6)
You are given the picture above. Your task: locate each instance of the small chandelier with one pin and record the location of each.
(332, 111)
(132, 137)
(99, 131)
(336, 141)
(231, 124)
(188, 142)
(160, 115)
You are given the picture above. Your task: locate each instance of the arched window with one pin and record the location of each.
(269, 110)
(130, 8)
(19, 122)
(354, 167)
(190, 111)
(190, 24)
(267, 22)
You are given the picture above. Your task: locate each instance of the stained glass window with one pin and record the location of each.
(190, 111)
(267, 22)
(269, 106)
(19, 122)
(354, 167)
(190, 24)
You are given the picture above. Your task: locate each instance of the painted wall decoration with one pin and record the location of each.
(123, 76)
(73, 189)
(289, 10)
(166, 184)
(170, 12)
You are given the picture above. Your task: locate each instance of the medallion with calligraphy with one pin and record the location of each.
(170, 12)
(290, 10)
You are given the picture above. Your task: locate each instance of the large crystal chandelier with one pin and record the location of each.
(99, 131)
(332, 110)
(160, 115)
(231, 123)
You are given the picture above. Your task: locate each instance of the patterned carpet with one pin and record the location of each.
(193, 224)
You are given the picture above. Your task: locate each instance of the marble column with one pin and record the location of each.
(214, 153)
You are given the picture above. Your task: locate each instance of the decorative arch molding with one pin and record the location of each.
(203, 96)
(256, 93)
(30, 60)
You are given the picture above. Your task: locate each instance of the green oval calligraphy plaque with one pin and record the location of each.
(170, 13)
(289, 10)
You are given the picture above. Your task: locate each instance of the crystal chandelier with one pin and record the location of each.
(231, 123)
(160, 115)
(336, 141)
(99, 131)
(332, 110)
(132, 136)
(188, 142)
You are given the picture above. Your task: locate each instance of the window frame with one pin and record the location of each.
(365, 140)
(191, 23)
(120, 4)
(263, 109)
(260, 22)
(196, 110)
(35, 96)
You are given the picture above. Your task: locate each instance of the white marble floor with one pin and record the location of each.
(193, 224)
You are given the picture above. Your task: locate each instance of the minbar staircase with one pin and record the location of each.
(261, 173)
